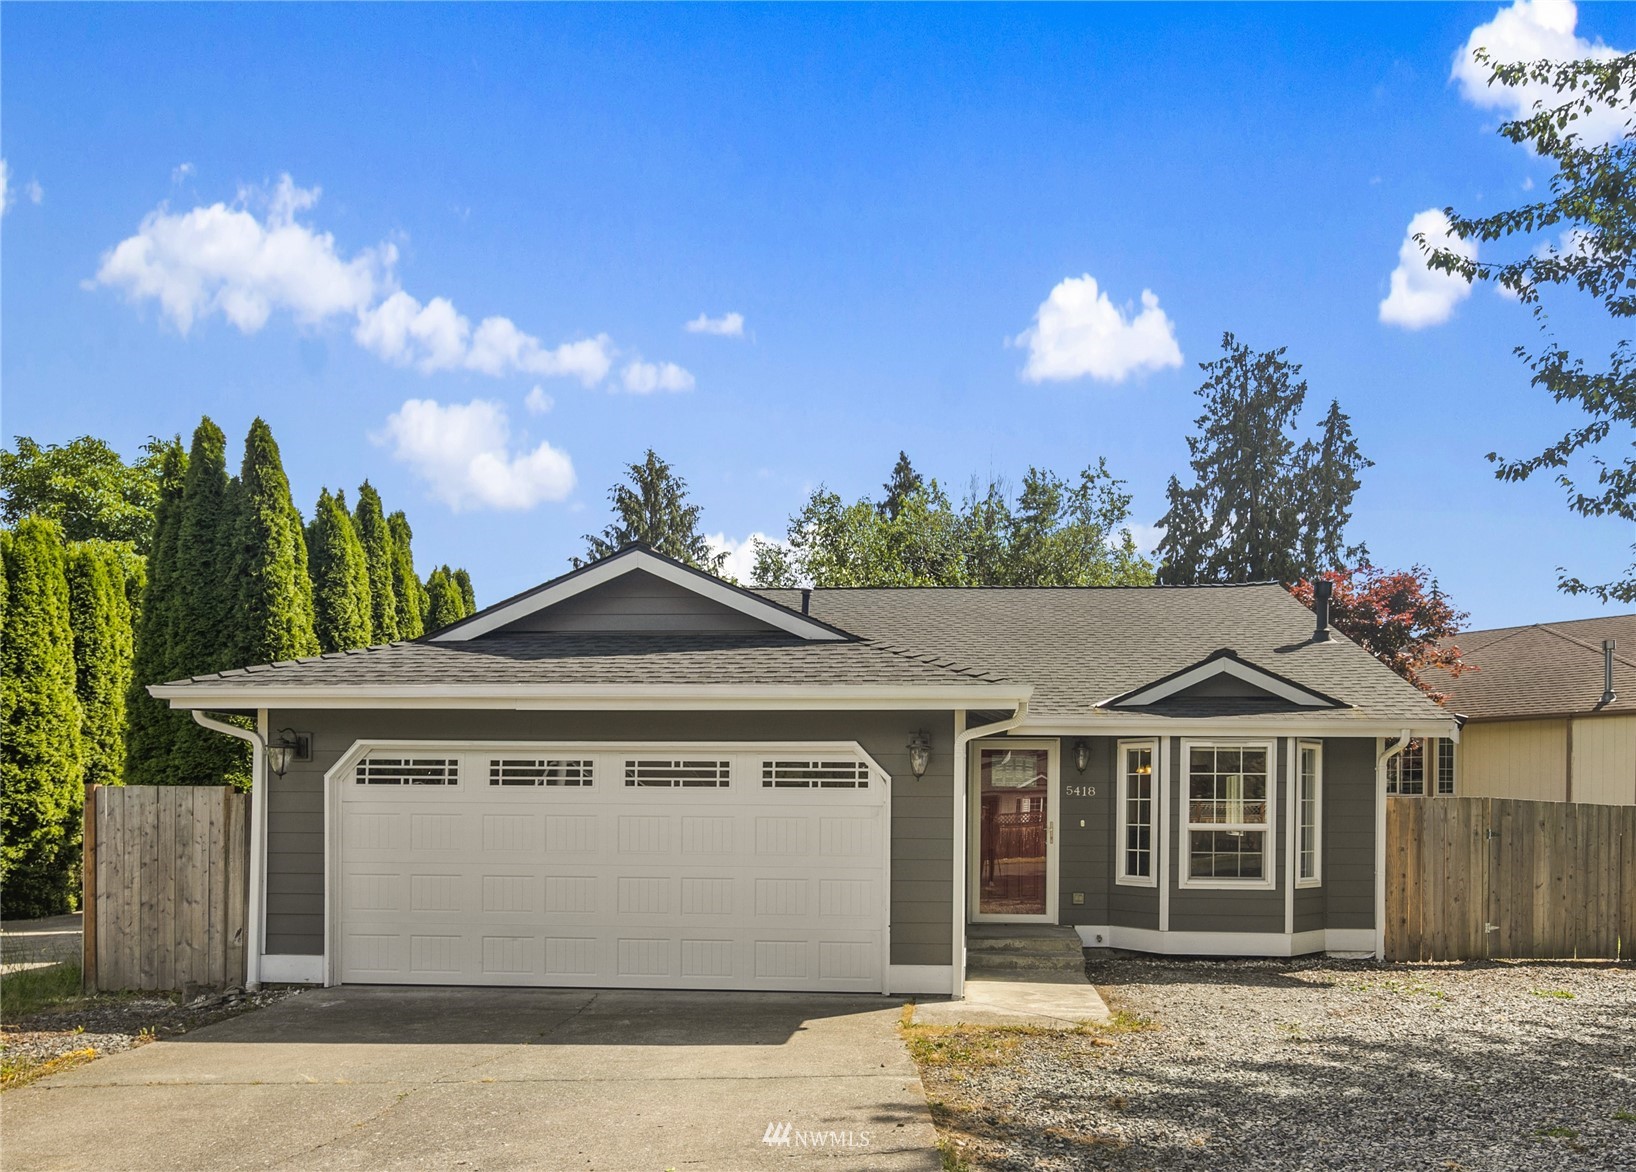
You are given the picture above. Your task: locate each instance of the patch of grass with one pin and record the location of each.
(962, 1047)
(1407, 986)
(27, 991)
(20, 1071)
(1556, 1133)
(1559, 994)
(952, 1160)
(1123, 1021)
(1625, 1116)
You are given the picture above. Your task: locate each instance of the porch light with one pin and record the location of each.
(280, 752)
(1082, 754)
(920, 754)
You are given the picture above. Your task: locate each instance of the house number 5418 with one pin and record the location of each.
(1081, 791)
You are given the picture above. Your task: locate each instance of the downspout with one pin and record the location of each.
(1386, 755)
(258, 818)
(962, 777)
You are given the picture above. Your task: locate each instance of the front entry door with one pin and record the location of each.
(1014, 833)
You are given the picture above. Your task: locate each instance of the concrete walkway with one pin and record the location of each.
(1060, 1001)
(29, 944)
(376, 1078)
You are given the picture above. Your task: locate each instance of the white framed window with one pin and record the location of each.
(1309, 813)
(1138, 791)
(813, 774)
(1228, 824)
(1445, 767)
(1406, 771)
(540, 771)
(671, 773)
(397, 770)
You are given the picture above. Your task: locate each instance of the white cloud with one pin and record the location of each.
(31, 191)
(1078, 332)
(181, 172)
(643, 378)
(463, 452)
(1418, 296)
(741, 554)
(1147, 537)
(1532, 30)
(227, 260)
(5, 186)
(728, 325)
(538, 402)
(222, 259)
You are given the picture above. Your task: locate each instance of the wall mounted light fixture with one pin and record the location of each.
(1082, 754)
(920, 753)
(282, 751)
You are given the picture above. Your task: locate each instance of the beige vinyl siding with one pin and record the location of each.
(1604, 760)
(1514, 759)
(922, 808)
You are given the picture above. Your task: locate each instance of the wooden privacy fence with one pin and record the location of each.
(166, 886)
(1470, 878)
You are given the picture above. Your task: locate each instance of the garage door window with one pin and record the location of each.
(651, 773)
(814, 775)
(539, 771)
(408, 771)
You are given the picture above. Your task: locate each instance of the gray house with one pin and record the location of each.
(639, 775)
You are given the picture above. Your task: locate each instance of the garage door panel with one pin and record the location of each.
(734, 886)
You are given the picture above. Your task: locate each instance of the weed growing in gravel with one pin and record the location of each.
(1556, 1133)
(1559, 994)
(18, 1070)
(1625, 1116)
(1125, 1022)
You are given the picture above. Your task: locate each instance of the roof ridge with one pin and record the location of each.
(1577, 641)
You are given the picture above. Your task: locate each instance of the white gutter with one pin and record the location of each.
(963, 737)
(1385, 755)
(258, 821)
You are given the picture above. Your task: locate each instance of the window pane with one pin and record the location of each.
(1137, 813)
(1225, 854)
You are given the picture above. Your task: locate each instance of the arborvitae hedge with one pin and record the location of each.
(40, 773)
(340, 576)
(99, 616)
(150, 724)
(406, 587)
(275, 608)
(376, 539)
(443, 602)
(468, 596)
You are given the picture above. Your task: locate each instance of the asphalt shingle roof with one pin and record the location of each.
(1546, 669)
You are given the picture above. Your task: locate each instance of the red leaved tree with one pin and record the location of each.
(1398, 616)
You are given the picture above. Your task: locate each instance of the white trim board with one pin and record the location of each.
(290, 969)
(1230, 943)
(1220, 665)
(921, 978)
(631, 561)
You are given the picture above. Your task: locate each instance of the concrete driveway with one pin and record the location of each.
(375, 1078)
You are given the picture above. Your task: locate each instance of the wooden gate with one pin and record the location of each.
(166, 886)
(1471, 878)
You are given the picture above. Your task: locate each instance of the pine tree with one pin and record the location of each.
(905, 483)
(654, 511)
(406, 587)
(275, 609)
(40, 771)
(376, 539)
(206, 620)
(151, 724)
(99, 616)
(443, 602)
(1260, 508)
(468, 596)
(340, 576)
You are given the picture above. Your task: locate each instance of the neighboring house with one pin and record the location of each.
(1540, 718)
(639, 775)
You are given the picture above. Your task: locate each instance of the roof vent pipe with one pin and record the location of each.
(806, 601)
(1322, 590)
(1607, 671)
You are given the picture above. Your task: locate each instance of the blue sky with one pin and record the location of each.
(902, 206)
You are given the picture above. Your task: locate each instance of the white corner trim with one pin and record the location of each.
(617, 567)
(283, 969)
(921, 978)
(1246, 672)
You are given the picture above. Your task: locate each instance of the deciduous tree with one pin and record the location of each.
(1398, 616)
(85, 486)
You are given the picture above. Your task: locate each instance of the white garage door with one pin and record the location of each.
(658, 866)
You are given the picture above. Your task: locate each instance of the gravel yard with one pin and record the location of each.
(1308, 1064)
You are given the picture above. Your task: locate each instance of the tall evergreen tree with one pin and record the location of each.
(40, 769)
(340, 576)
(1258, 505)
(653, 509)
(275, 610)
(406, 586)
(376, 538)
(443, 602)
(905, 483)
(150, 723)
(468, 596)
(206, 620)
(99, 615)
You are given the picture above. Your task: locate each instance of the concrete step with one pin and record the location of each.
(1016, 948)
(1013, 962)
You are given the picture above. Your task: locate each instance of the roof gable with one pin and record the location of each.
(1222, 674)
(637, 591)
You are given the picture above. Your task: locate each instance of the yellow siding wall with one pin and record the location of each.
(1604, 763)
(1514, 759)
